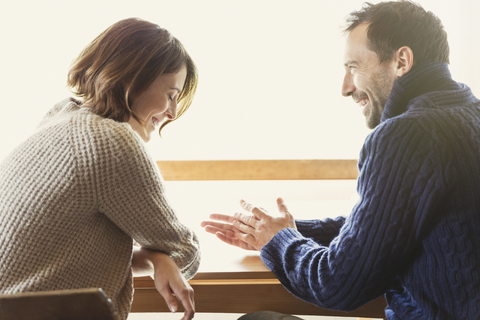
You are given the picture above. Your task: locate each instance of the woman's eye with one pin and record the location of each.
(170, 98)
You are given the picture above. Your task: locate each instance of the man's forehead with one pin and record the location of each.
(360, 29)
(356, 45)
(358, 36)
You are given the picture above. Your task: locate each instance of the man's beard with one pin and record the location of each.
(376, 109)
(381, 87)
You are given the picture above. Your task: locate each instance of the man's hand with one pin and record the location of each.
(169, 281)
(225, 231)
(260, 228)
(250, 232)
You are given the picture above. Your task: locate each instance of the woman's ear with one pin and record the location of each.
(404, 60)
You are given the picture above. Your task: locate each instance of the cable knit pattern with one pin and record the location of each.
(322, 232)
(72, 198)
(414, 234)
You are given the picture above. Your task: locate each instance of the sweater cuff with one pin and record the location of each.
(273, 253)
(321, 231)
(305, 227)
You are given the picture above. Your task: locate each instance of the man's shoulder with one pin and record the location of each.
(425, 114)
(426, 126)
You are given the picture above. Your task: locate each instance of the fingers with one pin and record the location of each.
(248, 239)
(244, 227)
(244, 219)
(168, 297)
(222, 217)
(172, 285)
(215, 230)
(179, 288)
(235, 242)
(259, 213)
(282, 207)
(218, 225)
(186, 297)
(215, 227)
(245, 205)
(226, 232)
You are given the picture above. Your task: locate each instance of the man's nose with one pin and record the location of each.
(348, 88)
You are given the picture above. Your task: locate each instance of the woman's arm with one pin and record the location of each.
(168, 279)
(130, 192)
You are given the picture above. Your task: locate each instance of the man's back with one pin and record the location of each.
(412, 233)
(437, 141)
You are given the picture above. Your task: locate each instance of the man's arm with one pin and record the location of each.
(321, 231)
(397, 200)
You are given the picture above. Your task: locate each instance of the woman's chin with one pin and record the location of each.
(146, 137)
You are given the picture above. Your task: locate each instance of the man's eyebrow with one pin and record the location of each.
(349, 62)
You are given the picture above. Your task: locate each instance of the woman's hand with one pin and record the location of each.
(250, 232)
(169, 281)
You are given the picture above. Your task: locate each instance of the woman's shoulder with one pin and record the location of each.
(63, 107)
(85, 121)
(107, 137)
(90, 132)
(107, 131)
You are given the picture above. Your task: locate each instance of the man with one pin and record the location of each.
(414, 234)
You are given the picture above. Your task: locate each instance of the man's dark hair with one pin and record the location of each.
(402, 23)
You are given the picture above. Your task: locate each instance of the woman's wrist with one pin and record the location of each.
(144, 261)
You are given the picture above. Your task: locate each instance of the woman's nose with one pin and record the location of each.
(172, 111)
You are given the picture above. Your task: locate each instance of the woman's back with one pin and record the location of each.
(72, 198)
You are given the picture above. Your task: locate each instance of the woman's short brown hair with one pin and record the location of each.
(122, 62)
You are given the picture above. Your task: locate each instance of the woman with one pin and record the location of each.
(77, 194)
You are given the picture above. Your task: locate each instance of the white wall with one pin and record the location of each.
(270, 70)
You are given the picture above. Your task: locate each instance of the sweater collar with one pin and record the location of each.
(424, 78)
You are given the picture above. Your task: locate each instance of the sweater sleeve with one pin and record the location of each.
(399, 185)
(131, 194)
(320, 231)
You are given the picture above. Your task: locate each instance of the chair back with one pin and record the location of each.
(78, 304)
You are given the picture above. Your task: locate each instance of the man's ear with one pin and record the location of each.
(404, 60)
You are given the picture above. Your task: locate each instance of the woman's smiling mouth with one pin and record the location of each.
(155, 122)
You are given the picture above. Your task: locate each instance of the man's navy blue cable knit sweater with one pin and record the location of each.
(414, 235)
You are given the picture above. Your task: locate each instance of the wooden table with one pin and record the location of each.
(231, 280)
(243, 292)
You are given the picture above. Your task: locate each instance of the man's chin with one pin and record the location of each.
(372, 122)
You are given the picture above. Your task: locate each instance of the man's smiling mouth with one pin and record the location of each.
(362, 102)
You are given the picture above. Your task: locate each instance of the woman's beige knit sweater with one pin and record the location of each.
(73, 197)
